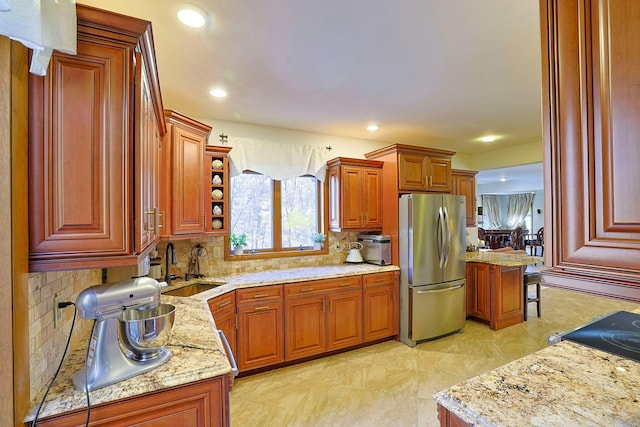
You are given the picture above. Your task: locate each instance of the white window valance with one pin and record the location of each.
(41, 25)
(277, 160)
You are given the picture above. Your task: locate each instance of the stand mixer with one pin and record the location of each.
(130, 332)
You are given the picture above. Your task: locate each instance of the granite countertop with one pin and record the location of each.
(195, 355)
(278, 277)
(503, 258)
(563, 384)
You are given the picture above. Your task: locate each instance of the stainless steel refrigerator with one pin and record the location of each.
(432, 244)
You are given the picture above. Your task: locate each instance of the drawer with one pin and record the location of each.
(222, 303)
(312, 287)
(260, 293)
(377, 279)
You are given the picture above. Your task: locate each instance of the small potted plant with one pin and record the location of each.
(318, 239)
(238, 241)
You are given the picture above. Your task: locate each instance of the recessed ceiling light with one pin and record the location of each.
(503, 179)
(488, 138)
(373, 128)
(218, 93)
(192, 16)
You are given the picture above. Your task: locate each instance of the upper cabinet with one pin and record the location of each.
(355, 194)
(184, 179)
(591, 105)
(464, 184)
(95, 123)
(417, 168)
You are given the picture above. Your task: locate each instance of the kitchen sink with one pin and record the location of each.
(193, 288)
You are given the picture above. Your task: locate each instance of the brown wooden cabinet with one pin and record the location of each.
(464, 184)
(355, 194)
(478, 291)
(94, 124)
(203, 403)
(449, 419)
(591, 69)
(322, 315)
(495, 294)
(217, 189)
(406, 169)
(380, 305)
(223, 311)
(183, 182)
(260, 327)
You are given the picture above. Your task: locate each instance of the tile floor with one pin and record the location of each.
(391, 384)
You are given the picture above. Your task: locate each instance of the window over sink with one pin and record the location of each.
(278, 217)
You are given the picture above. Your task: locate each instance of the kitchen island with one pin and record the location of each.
(566, 384)
(495, 287)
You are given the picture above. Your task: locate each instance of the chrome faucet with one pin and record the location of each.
(174, 261)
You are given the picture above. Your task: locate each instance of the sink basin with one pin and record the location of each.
(193, 288)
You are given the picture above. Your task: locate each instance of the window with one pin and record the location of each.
(276, 216)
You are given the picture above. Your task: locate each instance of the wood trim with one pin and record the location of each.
(14, 341)
(395, 148)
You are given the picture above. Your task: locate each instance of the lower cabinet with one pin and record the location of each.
(380, 305)
(223, 310)
(322, 315)
(203, 404)
(495, 294)
(449, 419)
(260, 327)
(269, 325)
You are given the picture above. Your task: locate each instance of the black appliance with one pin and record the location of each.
(617, 333)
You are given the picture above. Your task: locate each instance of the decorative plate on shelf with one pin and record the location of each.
(216, 194)
(216, 224)
(217, 164)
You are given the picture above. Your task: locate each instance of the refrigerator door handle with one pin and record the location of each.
(441, 233)
(437, 291)
(447, 249)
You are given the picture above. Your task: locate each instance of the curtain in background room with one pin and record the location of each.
(518, 206)
(491, 210)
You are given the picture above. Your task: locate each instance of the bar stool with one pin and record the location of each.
(531, 278)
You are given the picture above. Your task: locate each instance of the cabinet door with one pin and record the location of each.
(188, 186)
(507, 305)
(439, 175)
(80, 183)
(344, 319)
(372, 198)
(412, 172)
(479, 284)
(380, 312)
(591, 69)
(260, 335)
(464, 184)
(223, 310)
(305, 327)
(352, 208)
(147, 166)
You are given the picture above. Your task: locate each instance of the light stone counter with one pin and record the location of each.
(566, 384)
(195, 355)
(502, 258)
(278, 277)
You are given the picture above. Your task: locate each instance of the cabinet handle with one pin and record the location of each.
(305, 290)
(261, 308)
(224, 304)
(261, 295)
(324, 305)
(154, 220)
(161, 214)
(342, 285)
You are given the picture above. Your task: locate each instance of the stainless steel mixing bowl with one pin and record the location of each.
(144, 332)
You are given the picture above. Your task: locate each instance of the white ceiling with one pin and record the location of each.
(516, 178)
(436, 73)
